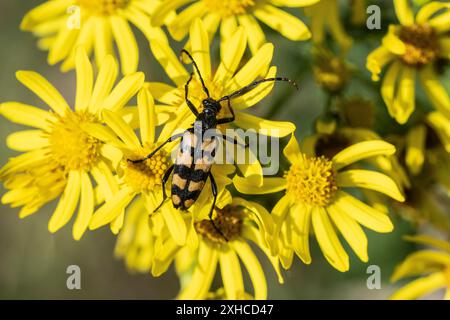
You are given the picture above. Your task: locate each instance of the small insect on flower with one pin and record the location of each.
(197, 147)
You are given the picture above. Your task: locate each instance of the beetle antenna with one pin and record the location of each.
(196, 68)
(252, 85)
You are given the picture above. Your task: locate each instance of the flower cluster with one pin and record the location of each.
(106, 157)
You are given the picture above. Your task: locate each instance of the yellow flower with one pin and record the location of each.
(325, 14)
(314, 194)
(411, 49)
(328, 144)
(145, 178)
(431, 266)
(240, 222)
(330, 71)
(229, 14)
(59, 156)
(62, 25)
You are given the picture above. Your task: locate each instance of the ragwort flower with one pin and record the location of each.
(412, 48)
(240, 222)
(314, 194)
(63, 25)
(431, 266)
(60, 157)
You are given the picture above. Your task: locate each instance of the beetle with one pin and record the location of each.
(191, 170)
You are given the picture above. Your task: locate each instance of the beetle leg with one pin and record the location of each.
(172, 138)
(214, 192)
(164, 181)
(234, 141)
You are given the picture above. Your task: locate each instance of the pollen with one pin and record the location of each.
(103, 7)
(228, 220)
(70, 146)
(227, 8)
(145, 176)
(311, 181)
(422, 44)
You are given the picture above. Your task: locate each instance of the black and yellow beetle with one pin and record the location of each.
(190, 172)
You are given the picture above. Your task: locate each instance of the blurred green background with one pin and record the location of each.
(33, 262)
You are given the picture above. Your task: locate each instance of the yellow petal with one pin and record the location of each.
(104, 83)
(328, 240)
(362, 213)
(43, 12)
(180, 25)
(111, 209)
(441, 23)
(231, 55)
(370, 180)
(25, 114)
(393, 43)
(351, 230)
(170, 63)
(404, 12)
(126, 43)
(283, 22)
(421, 262)
(176, 225)
(362, 150)
(67, 204)
(294, 3)
(103, 44)
(44, 90)
(441, 126)
(203, 275)
(292, 150)
(200, 48)
(164, 9)
(124, 91)
(63, 44)
(86, 207)
(435, 90)
(256, 66)
(122, 129)
(253, 267)
(301, 216)
(27, 140)
(85, 79)
(420, 287)
(376, 60)
(429, 241)
(147, 116)
(388, 86)
(255, 95)
(404, 102)
(247, 185)
(429, 9)
(262, 126)
(415, 148)
(231, 272)
(255, 35)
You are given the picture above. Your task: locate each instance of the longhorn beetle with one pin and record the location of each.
(190, 172)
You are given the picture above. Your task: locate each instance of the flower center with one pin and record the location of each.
(228, 220)
(103, 7)
(70, 146)
(311, 181)
(422, 44)
(226, 8)
(146, 175)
